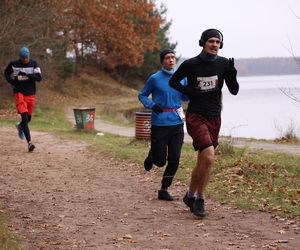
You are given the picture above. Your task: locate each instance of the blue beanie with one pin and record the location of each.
(24, 52)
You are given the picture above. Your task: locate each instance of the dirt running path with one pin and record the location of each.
(63, 196)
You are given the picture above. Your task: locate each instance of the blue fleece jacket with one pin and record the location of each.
(162, 94)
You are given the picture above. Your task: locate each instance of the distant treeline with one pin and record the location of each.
(268, 66)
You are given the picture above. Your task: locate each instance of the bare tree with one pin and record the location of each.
(31, 23)
(293, 92)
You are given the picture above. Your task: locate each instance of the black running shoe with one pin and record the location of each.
(164, 195)
(31, 147)
(189, 201)
(148, 164)
(20, 131)
(198, 208)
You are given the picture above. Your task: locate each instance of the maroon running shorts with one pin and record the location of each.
(204, 130)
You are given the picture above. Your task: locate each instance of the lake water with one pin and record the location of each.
(261, 110)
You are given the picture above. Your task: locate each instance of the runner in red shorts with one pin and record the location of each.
(205, 74)
(22, 74)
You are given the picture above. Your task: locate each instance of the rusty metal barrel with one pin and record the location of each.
(143, 125)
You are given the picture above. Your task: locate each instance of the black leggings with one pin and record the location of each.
(26, 118)
(166, 143)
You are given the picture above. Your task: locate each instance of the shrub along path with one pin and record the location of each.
(63, 196)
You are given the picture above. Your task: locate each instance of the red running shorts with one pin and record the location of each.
(203, 130)
(24, 103)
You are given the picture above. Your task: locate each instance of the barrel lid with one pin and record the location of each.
(143, 112)
(84, 108)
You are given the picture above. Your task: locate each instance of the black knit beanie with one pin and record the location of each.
(207, 34)
(164, 52)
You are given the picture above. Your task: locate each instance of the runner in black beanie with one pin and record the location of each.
(164, 53)
(209, 34)
(206, 75)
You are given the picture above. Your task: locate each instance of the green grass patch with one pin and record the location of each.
(258, 180)
(7, 240)
(43, 119)
(122, 113)
(50, 120)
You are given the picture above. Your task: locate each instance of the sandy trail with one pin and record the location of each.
(63, 196)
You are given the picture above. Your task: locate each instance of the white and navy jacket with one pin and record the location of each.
(23, 76)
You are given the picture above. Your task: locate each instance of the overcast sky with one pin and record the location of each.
(251, 28)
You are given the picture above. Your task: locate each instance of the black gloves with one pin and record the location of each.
(22, 73)
(157, 109)
(231, 71)
(230, 78)
(31, 77)
(22, 76)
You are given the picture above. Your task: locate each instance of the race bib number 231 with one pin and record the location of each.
(207, 83)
